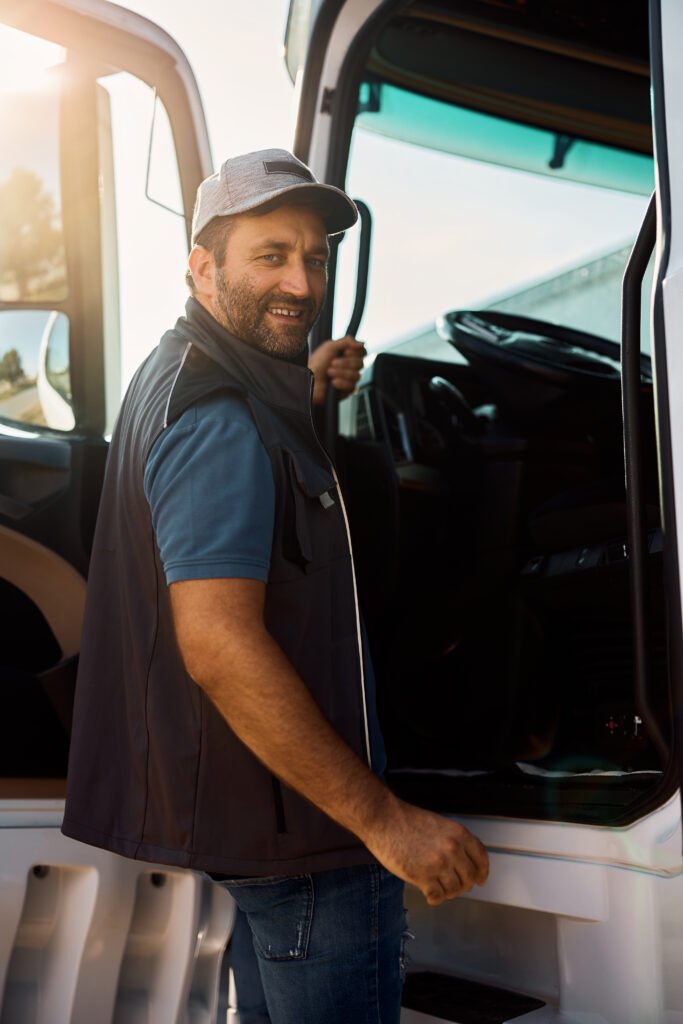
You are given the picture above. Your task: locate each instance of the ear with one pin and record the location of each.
(202, 267)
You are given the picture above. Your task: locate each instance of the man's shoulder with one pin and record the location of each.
(201, 384)
(227, 408)
(214, 428)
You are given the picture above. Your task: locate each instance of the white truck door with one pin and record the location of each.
(667, 312)
(86, 936)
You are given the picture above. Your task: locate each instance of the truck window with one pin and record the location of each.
(33, 269)
(474, 215)
(143, 236)
(146, 230)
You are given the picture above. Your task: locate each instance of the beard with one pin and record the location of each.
(243, 313)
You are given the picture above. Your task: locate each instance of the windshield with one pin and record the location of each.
(474, 211)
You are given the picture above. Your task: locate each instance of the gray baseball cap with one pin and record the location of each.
(268, 176)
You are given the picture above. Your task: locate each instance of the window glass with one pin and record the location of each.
(458, 232)
(296, 36)
(145, 247)
(143, 235)
(32, 259)
(35, 373)
(427, 122)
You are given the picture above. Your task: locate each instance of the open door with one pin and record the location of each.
(95, 208)
(666, 27)
(104, 143)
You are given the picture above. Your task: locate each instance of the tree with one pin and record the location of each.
(10, 366)
(30, 240)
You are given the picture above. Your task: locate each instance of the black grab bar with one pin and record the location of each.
(363, 265)
(636, 520)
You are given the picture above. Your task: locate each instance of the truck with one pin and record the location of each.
(512, 465)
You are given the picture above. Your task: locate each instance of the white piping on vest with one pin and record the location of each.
(358, 630)
(175, 380)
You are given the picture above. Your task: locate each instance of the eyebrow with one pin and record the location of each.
(272, 243)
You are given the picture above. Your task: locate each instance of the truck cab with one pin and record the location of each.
(511, 473)
(511, 465)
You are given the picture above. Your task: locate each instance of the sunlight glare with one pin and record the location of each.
(26, 61)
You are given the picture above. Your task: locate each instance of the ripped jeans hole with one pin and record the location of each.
(404, 958)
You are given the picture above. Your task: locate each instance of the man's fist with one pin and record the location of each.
(437, 855)
(340, 362)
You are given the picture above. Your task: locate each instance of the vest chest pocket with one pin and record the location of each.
(309, 516)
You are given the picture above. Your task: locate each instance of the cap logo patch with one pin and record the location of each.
(287, 167)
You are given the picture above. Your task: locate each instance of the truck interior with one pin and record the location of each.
(483, 455)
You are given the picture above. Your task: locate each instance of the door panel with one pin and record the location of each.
(666, 30)
(65, 185)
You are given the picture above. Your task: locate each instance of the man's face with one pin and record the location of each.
(272, 284)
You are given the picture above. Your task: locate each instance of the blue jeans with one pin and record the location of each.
(325, 948)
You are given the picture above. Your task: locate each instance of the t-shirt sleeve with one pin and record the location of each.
(209, 484)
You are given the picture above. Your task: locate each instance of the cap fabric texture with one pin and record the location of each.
(266, 176)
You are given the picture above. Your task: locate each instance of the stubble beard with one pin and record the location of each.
(239, 310)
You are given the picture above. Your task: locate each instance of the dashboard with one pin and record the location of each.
(529, 423)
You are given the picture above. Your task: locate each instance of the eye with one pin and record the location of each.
(317, 262)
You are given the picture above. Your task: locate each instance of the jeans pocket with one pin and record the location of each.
(280, 913)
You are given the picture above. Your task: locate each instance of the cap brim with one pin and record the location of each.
(337, 210)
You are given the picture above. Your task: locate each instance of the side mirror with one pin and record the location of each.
(35, 372)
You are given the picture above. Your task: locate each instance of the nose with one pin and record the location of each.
(294, 280)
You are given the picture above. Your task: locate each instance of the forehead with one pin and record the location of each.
(290, 225)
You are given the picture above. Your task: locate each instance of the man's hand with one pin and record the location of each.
(437, 855)
(340, 362)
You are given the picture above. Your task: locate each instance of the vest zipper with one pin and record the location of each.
(353, 577)
(358, 629)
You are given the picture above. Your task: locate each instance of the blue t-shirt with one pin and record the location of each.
(209, 484)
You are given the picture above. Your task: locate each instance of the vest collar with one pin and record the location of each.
(274, 381)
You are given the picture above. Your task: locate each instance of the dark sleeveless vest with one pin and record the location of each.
(155, 772)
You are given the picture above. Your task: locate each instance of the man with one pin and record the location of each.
(224, 716)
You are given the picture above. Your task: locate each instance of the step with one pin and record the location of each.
(430, 996)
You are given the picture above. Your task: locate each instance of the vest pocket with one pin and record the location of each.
(308, 487)
(280, 820)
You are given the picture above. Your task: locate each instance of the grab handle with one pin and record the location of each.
(636, 521)
(363, 265)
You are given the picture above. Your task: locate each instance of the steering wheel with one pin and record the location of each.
(532, 363)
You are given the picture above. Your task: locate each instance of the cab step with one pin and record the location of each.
(442, 997)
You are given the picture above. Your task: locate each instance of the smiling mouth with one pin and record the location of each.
(293, 314)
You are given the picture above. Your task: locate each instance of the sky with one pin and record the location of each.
(236, 52)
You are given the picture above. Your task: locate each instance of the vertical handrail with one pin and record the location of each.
(362, 269)
(636, 520)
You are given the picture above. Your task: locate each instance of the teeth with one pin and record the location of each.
(286, 312)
